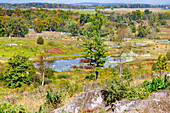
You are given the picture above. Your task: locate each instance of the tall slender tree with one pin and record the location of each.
(94, 43)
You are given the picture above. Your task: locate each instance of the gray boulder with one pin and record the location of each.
(87, 101)
(158, 102)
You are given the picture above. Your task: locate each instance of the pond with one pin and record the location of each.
(66, 65)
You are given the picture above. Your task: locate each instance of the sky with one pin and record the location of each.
(164, 2)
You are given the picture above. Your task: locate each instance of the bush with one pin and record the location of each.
(40, 41)
(157, 38)
(1, 76)
(156, 84)
(163, 22)
(133, 29)
(90, 77)
(168, 55)
(8, 108)
(72, 89)
(136, 93)
(18, 71)
(127, 74)
(154, 66)
(51, 43)
(55, 98)
(62, 75)
(116, 89)
(49, 73)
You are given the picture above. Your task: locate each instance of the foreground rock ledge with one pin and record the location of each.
(91, 100)
(88, 100)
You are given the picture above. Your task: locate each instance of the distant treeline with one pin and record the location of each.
(68, 6)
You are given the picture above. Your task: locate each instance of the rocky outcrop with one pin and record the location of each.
(87, 101)
(92, 100)
(158, 102)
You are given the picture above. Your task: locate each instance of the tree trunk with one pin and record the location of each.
(43, 71)
(120, 66)
(43, 75)
(96, 75)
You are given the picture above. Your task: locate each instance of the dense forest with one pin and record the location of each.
(16, 22)
(50, 5)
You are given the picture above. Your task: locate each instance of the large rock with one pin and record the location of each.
(87, 101)
(159, 102)
(92, 100)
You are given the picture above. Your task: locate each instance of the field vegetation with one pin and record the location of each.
(35, 35)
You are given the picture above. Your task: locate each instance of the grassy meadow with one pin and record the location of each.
(34, 96)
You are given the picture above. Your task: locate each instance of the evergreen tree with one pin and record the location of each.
(40, 40)
(18, 70)
(88, 45)
(94, 43)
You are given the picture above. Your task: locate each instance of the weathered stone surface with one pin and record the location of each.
(87, 101)
(92, 100)
(159, 102)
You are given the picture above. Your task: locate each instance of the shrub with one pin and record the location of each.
(167, 81)
(51, 43)
(168, 55)
(49, 73)
(116, 89)
(154, 66)
(133, 29)
(62, 75)
(55, 98)
(156, 84)
(8, 108)
(163, 22)
(136, 93)
(90, 77)
(72, 89)
(40, 41)
(127, 74)
(18, 71)
(1, 76)
(157, 38)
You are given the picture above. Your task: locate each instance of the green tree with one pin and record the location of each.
(42, 66)
(162, 64)
(72, 27)
(2, 27)
(38, 25)
(18, 71)
(19, 28)
(146, 11)
(88, 45)
(96, 8)
(133, 29)
(142, 31)
(94, 43)
(112, 8)
(122, 33)
(99, 49)
(54, 23)
(40, 40)
(82, 19)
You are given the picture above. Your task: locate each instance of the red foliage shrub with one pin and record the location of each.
(84, 60)
(73, 66)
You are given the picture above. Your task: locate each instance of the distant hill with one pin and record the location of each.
(95, 3)
(83, 5)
